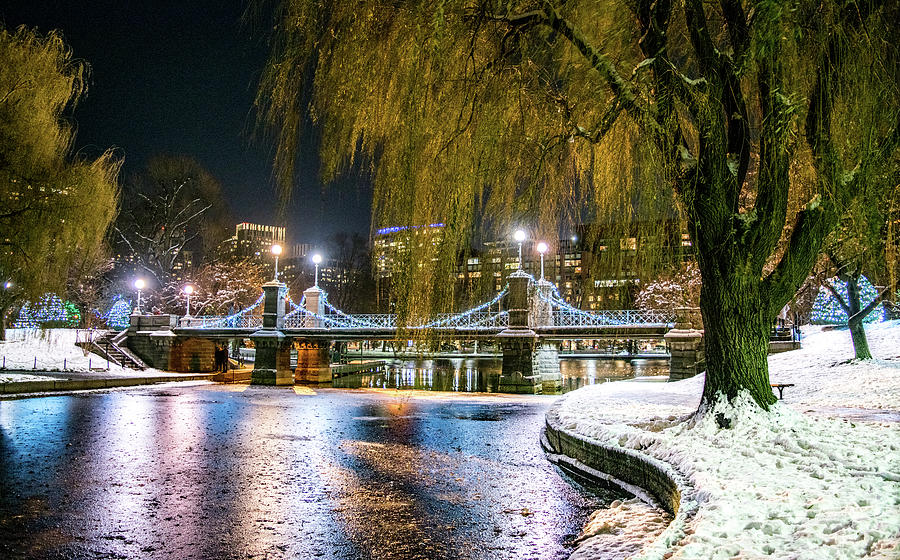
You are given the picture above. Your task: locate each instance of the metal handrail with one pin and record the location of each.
(579, 318)
(222, 322)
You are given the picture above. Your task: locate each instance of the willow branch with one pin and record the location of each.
(621, 88)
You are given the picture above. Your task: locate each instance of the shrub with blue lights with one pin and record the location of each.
(119, 315)
(828, 311)
(48, 312)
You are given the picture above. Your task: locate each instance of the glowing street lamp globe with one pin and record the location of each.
(139, 283)
(276, 250)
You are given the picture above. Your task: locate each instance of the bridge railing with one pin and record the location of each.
(579, 318)
(347, 321)
(221, 322)
(475, 320)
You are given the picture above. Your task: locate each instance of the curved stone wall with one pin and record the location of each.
(648, 478)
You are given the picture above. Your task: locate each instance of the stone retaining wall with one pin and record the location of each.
(637, 473)
(88, 384)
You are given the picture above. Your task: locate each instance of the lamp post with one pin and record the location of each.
(542, 248)
(188, 290)
(316, 259)
(139, 285)
(520, 236)
(276, 250)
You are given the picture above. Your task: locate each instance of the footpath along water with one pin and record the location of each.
(483, 374)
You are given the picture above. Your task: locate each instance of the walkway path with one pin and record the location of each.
(36, 382)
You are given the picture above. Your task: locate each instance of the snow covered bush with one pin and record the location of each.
(680, 288)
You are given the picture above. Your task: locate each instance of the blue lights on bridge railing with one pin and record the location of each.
(566, 315)
(481, 317)
(236, 321)
(637, 317)
(247, 318)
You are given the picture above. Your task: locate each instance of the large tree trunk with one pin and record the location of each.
(857, 331)
(736, 322)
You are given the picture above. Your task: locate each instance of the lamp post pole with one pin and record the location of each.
(317, 258)
(139, 284)
(542, 248)
(520, 236)
(188, 290)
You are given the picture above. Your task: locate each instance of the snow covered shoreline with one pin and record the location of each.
(53, 352)
(782, 484)
(50, 350)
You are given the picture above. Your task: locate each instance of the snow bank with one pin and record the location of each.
(51, 350)
(826, 375)
(619, 530)
(778, 484)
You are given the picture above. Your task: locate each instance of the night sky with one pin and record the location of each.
(179, 78)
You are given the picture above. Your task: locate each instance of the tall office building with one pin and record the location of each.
(251, 241)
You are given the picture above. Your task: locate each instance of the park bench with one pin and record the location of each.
(780, 387)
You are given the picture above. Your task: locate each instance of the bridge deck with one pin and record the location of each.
(643, 331)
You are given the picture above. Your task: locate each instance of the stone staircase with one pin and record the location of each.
(783, 339)
(111, 346)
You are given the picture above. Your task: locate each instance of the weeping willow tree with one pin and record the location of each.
(755, 122)
(55, 208)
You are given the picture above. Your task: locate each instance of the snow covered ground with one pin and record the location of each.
(49, 350)
(778, 484)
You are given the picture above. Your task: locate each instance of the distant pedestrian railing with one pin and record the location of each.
(580, 318)
(444, 321)
(221, 322)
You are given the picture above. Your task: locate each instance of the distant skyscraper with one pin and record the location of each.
(392, 246)
(251, 241)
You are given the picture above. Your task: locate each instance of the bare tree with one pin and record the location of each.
(220, 288)
(174, 206)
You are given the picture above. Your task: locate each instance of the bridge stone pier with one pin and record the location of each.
(272, 365)
(313, 361)
(530, 365)
(687, 356)
(313, 355)
(151, 338)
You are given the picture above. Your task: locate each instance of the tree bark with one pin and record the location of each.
(3, 311)
(855, 322)
(737, 324)
(860, 342)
